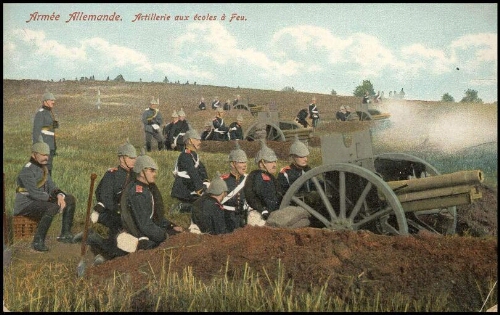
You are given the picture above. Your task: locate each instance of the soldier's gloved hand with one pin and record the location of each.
(99, 207)
(265, 214)
(172, 145)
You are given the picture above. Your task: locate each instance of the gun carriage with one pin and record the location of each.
(390, 193)
(366, 113)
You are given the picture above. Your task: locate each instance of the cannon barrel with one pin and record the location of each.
(439, 191)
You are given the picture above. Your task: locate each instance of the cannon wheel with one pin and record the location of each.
(345, 206)
(273, 132)
(433, 215)
(364, 115)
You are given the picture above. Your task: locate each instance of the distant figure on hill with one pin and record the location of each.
(216, 103)
(152, 120)
(202, 105)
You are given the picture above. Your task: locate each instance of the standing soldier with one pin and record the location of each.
(191, 178)
(107, 209)
(45, 124)
(314, 113)
(152, 120)
(235, 129)
(220, 128)
(38, 197)
(262, 190)
(235, 206)
(167, 130)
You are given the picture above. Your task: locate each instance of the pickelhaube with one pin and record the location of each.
(298, 148)
(40, 147)
(154, 101)
(191, 134)
(48, 96)
(181, 113)
(265, 153)
(144, 161)
(174, 114)
(237, 155)
(217, 185)
(128, 150)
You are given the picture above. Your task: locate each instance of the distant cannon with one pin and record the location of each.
(270, 127)
(391, 193)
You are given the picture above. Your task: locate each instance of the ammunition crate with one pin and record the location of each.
(23, 227)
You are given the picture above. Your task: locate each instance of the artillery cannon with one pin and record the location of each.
(269, 126)
(366, 113)
(391, 193)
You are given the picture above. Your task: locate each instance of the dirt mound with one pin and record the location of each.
(417, 265)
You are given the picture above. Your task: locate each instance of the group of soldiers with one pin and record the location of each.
(129, 203)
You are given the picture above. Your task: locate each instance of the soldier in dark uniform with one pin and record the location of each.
(191, 178)
(289, 174)
(216, 103)
(152, 120)
(142, 210)
(366, 98)
(220, 128)
(235, 206)
(235, 129)
(178, 131)
(208, 133)
(314, 113)
(302, 118)
(45, 124)
(262, 189)
(167, 130)
(202, 105)
(107, 209)
(341, 114)
(208, 213)
(38, 197)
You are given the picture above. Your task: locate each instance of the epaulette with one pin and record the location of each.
(225, 176)
(27, 164)
(112, 169)
(41, 109)
(138, 188)
(266, 177)
(286, 168)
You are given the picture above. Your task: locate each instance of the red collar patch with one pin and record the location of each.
(225, 176)
(265, 177)
(138, 188)
(188, 151)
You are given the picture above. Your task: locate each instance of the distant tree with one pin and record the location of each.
(367, 86)
(107, 79)
(447, 98)
(333, 92)
(165, 80)
(119, 78)
(288, 89)
(471, 97)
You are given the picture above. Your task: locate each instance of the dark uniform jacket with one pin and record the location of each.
(235, 208)
(143, 214)
(189, 173)
(177, 134)
(235, 131)
(202, 106)
(207, 135)
(34, 183)
(262, 191)
(167, 131)
(208, 214)
(152, 117)
(302, 116)
(110, 188)
(45, 124)
(313, 111)
(289, 174)
(220, 129)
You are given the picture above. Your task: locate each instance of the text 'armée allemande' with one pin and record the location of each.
(75, 16)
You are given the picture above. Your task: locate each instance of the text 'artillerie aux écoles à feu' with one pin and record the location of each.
(139, 17)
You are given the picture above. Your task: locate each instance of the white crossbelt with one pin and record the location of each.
(49, 133)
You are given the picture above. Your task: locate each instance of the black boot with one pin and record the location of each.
(148, 146)
(41, 231)
(67, 223)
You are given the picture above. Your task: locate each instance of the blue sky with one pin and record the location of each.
(427, 49)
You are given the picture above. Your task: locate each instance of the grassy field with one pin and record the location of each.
(450, 136)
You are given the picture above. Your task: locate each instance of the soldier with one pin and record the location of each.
(107, 209)
(301, 118)
(38, 197)
(208, 133)
(262, 190)
(216, 103)
(235, 129)
(191, 178)
(152, 120)
(341, 115)
(178, 131)
(142, 210)
(314, 113)
(167, 130)
(220, 128)
(289, 174)
(235, 206)
(45, 124)
(208, 213)
(202, 105)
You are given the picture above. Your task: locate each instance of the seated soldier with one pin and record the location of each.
(142, 210)
(341, 115)
(302, 117)
(208, 133)
(289, 174)
(208, 212)
(202, 105)
(235, 129)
